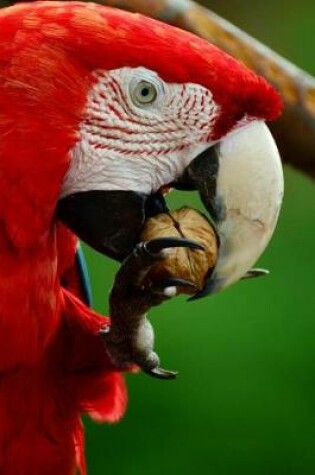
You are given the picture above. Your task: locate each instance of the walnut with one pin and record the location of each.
(184, 263)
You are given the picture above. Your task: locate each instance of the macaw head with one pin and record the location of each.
(101, 111)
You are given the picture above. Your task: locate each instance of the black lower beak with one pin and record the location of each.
(109, 221)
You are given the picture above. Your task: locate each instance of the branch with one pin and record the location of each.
(295, 131)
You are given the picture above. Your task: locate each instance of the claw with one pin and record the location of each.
(202, 293)
(253, 273)
(157, 245)
(161, 373)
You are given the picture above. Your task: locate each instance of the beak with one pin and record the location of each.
(240, 182)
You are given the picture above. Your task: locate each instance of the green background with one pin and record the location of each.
(245, 399)
(244, 402)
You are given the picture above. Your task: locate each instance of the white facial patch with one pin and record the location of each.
(139, 133)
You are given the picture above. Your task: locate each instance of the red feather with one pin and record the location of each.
(40, 407)
(53, 366)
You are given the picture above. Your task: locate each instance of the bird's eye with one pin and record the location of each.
(144, 93)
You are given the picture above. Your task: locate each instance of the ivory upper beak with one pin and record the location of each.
(248, 195)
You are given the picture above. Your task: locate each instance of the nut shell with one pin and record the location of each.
(184, 263)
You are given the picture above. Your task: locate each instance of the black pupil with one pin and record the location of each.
(145, 92)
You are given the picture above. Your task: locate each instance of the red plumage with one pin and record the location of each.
(52, 364)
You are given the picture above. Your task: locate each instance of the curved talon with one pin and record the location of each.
(161, 373)
(157, 245)
(177, 283)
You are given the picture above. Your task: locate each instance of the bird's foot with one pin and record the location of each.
(130, 337)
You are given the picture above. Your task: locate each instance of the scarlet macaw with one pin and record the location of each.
(99, 110)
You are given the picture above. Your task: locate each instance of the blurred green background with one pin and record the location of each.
(244, 402)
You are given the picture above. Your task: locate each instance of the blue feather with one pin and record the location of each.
(84, 276)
